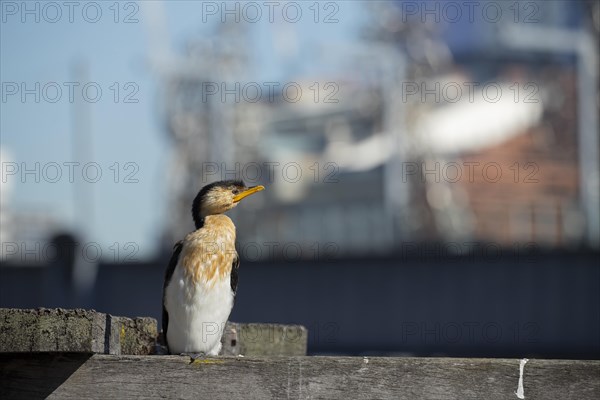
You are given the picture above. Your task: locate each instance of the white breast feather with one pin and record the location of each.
(197, 310)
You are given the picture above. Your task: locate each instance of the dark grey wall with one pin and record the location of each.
(547, 305)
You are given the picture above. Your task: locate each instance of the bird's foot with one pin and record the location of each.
(194, 356)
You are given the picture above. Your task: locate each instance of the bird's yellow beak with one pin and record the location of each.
(248, 192)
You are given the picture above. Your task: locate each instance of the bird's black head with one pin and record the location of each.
(218, 197)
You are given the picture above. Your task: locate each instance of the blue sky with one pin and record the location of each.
(46, 52)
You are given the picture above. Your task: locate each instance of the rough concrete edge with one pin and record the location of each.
(268, 339)
(117, 335)
(107, 334)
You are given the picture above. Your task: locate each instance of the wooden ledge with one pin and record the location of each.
(76, 376)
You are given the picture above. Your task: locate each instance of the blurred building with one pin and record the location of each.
(377, 166)
(540, 135)
(536, 199)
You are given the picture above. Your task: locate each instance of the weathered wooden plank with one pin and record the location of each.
(36, 376)
(117, 377)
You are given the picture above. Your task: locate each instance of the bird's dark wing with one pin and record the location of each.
(234, 273)
(168, 274)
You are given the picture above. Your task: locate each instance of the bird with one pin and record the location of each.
(202, 275)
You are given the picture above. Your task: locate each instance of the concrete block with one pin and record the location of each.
(76, 331)
(88, 331)
(264, 340)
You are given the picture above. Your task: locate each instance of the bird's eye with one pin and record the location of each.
(235, 191)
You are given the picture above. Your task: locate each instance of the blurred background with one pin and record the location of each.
(432, 168)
